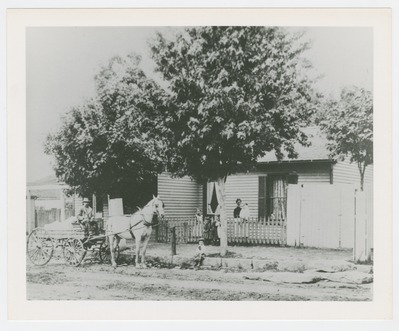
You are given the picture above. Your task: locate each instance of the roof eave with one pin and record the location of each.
(299, 161)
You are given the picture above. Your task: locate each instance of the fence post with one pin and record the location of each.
(185, 236)
(157, 231)
(354, 227)
(173, 240)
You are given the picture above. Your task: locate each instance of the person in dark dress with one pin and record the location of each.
(237, 210)
(207, 234)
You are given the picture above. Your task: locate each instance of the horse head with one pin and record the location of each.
(158, 206)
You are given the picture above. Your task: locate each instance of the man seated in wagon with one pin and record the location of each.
(86, 218)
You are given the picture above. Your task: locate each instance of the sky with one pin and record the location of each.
(61, 63)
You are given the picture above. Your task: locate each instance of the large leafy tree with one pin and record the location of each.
(348, 123)
(109, 145)
(235, 93)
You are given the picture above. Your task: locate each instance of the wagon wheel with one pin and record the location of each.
(39, 247)
(105, 254)
(73, 251)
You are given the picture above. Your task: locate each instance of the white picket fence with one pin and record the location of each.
(253, 231)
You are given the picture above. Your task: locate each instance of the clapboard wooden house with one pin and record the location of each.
(264, 188)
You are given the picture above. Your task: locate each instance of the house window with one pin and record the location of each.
(262, 197)
(272, 202)
(276, 193)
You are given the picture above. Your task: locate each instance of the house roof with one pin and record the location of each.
(46, 194)
(316, 151)
(48, 180)
(45, 188)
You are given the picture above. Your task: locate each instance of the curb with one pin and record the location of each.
(213, 262)
(249, 264)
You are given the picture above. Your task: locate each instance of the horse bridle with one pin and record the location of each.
(144, 221)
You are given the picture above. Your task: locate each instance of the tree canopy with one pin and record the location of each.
(348, 123)
(235, 93)
(108, 145)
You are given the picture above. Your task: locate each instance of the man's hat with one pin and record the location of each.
(201, 239)
(86, 200)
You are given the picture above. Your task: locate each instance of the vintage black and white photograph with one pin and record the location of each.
(191, 163)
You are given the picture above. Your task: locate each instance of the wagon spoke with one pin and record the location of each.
(45, 252)
(34, 256)
(41, 256)
(34, 237)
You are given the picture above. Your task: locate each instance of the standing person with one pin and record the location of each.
(244, 216)
(245, 213)
(197, 228)
(85, 216)
(237, 210)
(217, 230)
(207, 234)
(237, 223)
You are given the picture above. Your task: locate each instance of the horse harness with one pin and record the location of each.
(145, 223)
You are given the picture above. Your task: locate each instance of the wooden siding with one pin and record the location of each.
(245, 187)
(181, 195)
(348, 173)
(308, 172)
(105, 207)
(314, 176)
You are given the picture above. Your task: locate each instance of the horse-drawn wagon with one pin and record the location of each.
(76, 242)
(73, 241)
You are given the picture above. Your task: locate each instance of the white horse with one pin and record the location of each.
(137, 226)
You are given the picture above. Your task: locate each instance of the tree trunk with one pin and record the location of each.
(362, 178)
(223, 216)
(362, 170)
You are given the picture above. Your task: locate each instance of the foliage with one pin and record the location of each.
(348, 123)
(108, 145)
(235, 93)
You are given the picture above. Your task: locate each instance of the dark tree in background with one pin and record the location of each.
(348, 123)
(109, 145)
(234, 94)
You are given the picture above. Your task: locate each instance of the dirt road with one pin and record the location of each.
(93, 281)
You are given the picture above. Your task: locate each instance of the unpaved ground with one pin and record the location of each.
(94, 281)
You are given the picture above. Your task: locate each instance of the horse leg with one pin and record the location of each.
(138, 240)
(112, 250)
(145, 243)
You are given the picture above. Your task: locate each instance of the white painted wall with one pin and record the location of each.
(323, 215)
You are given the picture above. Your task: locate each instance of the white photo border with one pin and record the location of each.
(380, 308)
